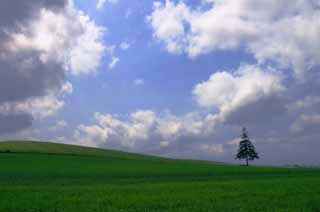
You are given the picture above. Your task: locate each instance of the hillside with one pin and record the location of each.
(65, 149)
(36, 176)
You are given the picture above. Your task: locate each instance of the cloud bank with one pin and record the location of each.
(41, 43)
(284, 32)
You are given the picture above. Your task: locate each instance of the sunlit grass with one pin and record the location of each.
(125, 182)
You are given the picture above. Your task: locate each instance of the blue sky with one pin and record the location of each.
(172, 78)
(168, 79)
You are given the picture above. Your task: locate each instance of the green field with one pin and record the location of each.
(54, 177)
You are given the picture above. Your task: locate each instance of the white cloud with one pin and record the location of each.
(40, 107)
(143, 128)
(124, 45)
(114, 62)
(70, 37)
(39, 48)
(168, 24)
(109, 126)
(138, 82)
(227, 92)
(111, 50)
(86, 54)
(66, 89)
(101, 3)
(49, 105)
(285, 32)
(90, 135)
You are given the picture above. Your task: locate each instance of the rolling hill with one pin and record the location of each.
(65, 149)
(39, 176)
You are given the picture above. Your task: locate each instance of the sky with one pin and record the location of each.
(171, 78)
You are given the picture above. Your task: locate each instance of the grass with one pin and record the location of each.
(64, 149)
(72, 178)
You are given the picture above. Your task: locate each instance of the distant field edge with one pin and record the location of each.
(52, 148)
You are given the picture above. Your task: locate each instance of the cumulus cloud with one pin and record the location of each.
(144, 130)
(278, 111)
(39, 107)
(68, 38)
(284, 32)
(46, 106)
(41, 42)
(167, 21)
(86, 54)
(229, 92)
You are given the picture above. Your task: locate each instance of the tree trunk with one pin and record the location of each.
(247, 162)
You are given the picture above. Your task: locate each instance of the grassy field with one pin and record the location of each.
(54, 177)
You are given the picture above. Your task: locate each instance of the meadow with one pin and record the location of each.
(55, 177)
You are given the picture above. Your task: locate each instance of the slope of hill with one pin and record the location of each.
(49, 177)
(65, 149)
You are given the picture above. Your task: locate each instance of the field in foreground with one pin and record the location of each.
(53, 177)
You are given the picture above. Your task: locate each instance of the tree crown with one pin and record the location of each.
(246, 148)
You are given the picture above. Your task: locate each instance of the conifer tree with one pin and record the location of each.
(246, 148)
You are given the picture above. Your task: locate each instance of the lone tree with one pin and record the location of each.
(246, 148)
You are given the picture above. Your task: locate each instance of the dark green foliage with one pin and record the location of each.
(246, 148)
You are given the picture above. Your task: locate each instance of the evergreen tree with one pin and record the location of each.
(246, 149)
